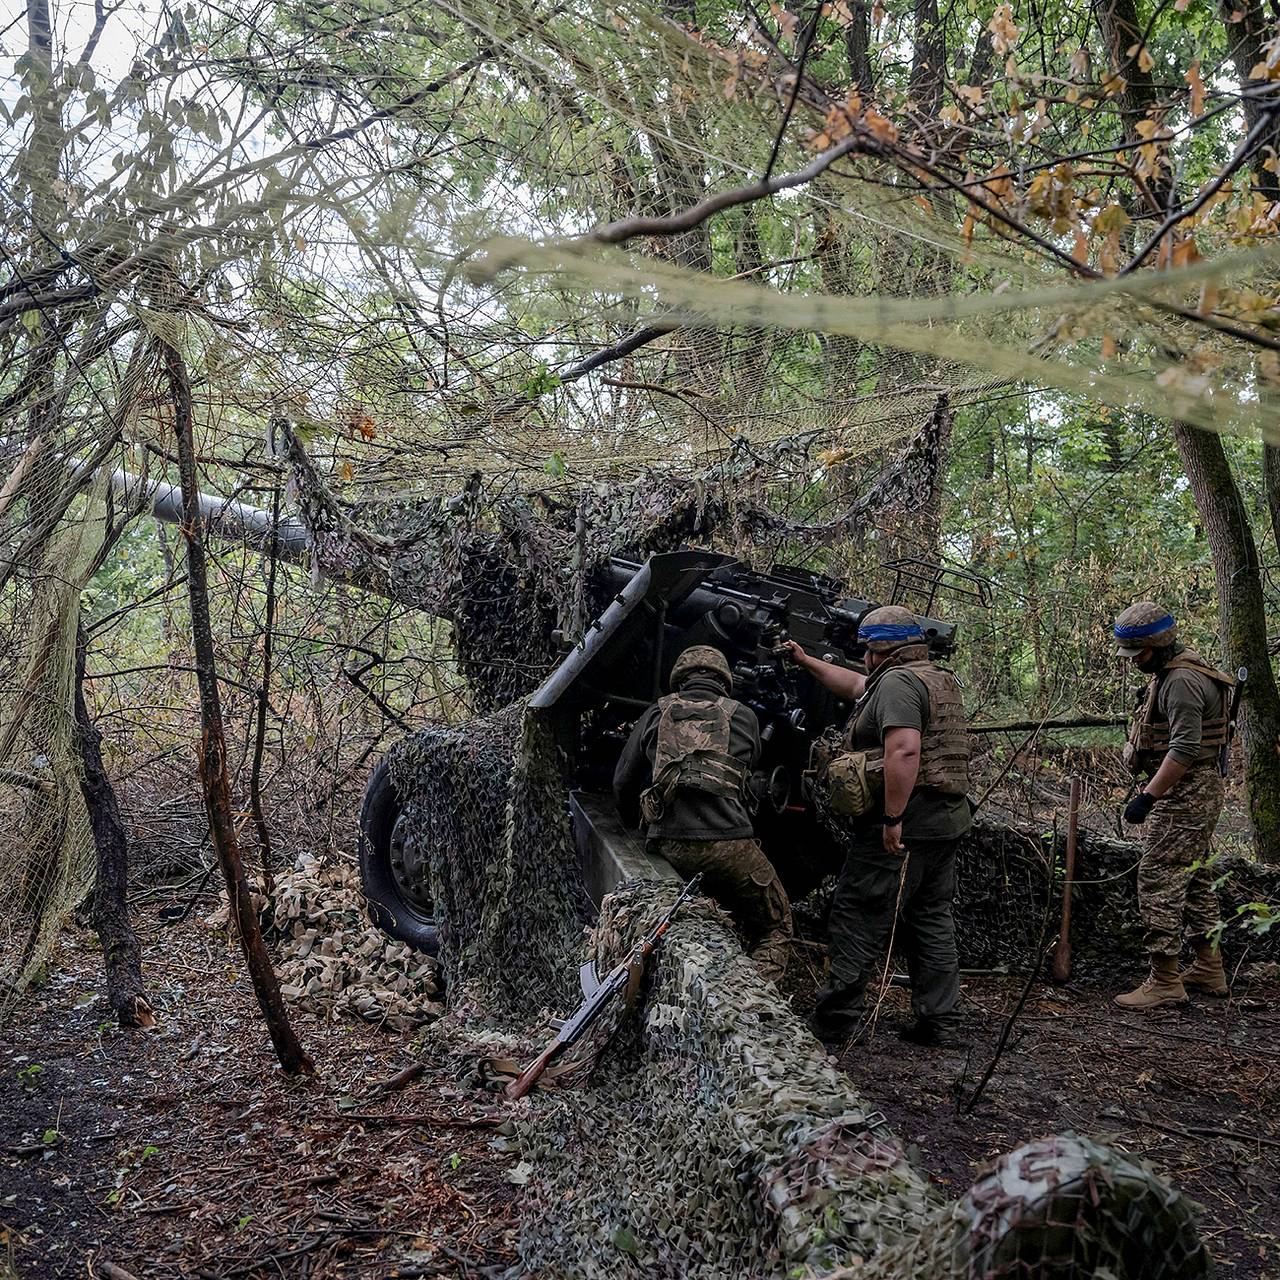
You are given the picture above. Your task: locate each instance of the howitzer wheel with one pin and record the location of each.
(392, 873)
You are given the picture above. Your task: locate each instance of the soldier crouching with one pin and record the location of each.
(685, 774)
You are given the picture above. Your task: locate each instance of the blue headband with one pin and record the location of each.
(891, 631)
(1145, 630)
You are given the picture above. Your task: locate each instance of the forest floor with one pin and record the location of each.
(1194, 1092)
(183, 1150)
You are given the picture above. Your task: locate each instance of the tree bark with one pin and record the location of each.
(122, 956)
(1271, 484)
(857, 48)
(1244, 624)
(1121, 31)
(1247, 31)
(213, 748)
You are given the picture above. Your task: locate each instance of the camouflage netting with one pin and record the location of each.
(331, 959)
(509, 573)
(487, 801)
(47, 870)
(1002, 873)
(715, 1138)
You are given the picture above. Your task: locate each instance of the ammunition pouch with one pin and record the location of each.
(709, 771)
(849, 783)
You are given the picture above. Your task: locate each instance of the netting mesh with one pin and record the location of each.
(713, 1137)
(47, 863)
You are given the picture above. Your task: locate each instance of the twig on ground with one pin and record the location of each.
(401, 1079)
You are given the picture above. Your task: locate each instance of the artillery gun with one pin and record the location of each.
(621, 665)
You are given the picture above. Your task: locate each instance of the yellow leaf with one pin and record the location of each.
(1196, 81)
(1145, 60)
(840, 13)
(1110, 220)
(366, 428)
(348, 471)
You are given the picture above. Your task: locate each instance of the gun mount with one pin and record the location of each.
(621, 665)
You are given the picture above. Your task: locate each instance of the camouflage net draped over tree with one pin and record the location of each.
(509, 572)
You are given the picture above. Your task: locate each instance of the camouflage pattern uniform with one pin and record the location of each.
(1171, 896)
(1181, 716)
(683, 775)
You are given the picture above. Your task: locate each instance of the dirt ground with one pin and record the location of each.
(1195, 1093)
(183, 1151)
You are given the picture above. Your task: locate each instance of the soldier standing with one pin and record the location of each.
(1178, 731)
(911, 711)
(685, 772)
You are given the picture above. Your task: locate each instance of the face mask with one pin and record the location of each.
(1150, 664)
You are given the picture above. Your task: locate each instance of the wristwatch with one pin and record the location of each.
(892, 820)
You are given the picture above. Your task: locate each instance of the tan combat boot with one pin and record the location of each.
(1163, 986)
(1206, 972)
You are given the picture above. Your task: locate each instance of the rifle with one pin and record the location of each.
(599, 994)
(1241, 676)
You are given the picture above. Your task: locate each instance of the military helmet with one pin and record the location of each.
(890, 627)
(704, 658)
(1144, 624)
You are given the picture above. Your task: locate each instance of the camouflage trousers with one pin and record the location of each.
(1172, 897)
(742, 880)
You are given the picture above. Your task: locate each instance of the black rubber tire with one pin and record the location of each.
(389, 908)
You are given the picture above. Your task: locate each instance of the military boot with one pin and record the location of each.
(1206, 972)
(1163, 986)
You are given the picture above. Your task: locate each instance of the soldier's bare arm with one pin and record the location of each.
(840, 680)
(901, 768)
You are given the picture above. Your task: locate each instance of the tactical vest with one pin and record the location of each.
(1149, 733)
(945, 746)
(692, 751)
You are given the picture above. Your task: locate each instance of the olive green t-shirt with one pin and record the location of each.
(899, 700)
(1186, 699)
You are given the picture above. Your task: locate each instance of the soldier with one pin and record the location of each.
(685, 772)
(1178, 730)
(908, 713)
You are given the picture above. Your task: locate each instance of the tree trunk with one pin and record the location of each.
(1244, 624)
(1121, 32)
(213, 748)
(1271, 484)
(857, 48)
(1247, 31)
(122, 956)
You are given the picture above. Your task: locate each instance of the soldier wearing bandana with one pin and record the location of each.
(907, 712)
(1178, 731)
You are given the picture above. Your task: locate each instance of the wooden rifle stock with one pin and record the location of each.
(530, 1076)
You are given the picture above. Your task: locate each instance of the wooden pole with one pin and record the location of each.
(1061, 968)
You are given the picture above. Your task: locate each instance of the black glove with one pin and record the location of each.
(1135, 812)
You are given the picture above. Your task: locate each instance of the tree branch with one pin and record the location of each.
(860, 141)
